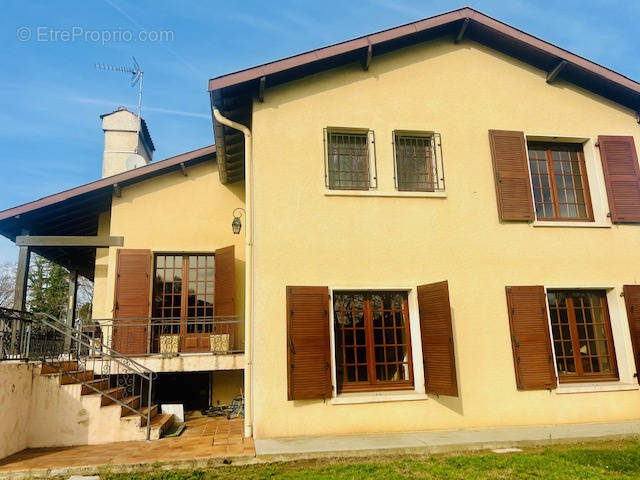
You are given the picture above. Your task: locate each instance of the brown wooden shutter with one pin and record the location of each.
(622, 177)
(225, 281)
(437, 339)
(632, 300)
(132, 295)
(513, 186)
(308, 346)
(224, 292)
(530, 340)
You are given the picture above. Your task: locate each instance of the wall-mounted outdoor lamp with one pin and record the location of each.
(236, 224)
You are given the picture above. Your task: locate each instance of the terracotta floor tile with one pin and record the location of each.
(204, 437)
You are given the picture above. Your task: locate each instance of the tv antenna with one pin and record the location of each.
(136, 78)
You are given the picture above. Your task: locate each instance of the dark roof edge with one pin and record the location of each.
(130, 176)
(254, 73)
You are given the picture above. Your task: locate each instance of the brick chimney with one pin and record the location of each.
(124, 137)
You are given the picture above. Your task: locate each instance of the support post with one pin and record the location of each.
(366, 60)
(20, 296)
(551, 76)
(71, 307)
(463, 28)
(261, 87)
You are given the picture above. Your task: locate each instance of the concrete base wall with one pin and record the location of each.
(15, 392)
(37, 411)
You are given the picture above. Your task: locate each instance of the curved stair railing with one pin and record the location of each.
(79, 358)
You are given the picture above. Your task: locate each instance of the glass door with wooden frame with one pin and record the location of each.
(582, 336)
(183, 301)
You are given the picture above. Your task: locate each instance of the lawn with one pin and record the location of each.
(610, 460)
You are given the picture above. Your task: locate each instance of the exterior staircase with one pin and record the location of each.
(85, 392)
(118, 410)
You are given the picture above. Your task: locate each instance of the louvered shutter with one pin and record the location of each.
(622, 177)
(437, 339)
(308, 346)
(513, 186)
(132, 296)
(530, 339)
(224, 290)
(632, 300)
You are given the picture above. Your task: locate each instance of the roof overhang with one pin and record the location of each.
(76, 212)
(233, 93)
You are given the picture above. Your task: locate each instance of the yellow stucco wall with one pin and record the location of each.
(171, 213)
(226, 385)
(305, 237)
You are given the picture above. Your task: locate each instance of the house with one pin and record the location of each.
(439, 230)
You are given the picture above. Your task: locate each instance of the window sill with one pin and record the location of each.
(596, 387)
(377, 193)
(599, 224)
(378, 397)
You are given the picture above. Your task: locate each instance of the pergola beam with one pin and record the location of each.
(68, 241)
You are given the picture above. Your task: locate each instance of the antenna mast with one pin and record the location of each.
(136, 77)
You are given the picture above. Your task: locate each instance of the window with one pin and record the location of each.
(416, 162)
(582, 337)
(348, 159)
(184, 311)
(373, 346)
(559, 181)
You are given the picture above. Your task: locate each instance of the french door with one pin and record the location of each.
(184, 300)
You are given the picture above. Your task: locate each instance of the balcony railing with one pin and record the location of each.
(219, 335)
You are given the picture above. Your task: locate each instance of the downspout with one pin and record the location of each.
(248, 275)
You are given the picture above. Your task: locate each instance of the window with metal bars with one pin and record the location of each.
(349, 163)
(373, 346)
(418, 162)
(559, 181)
(582, 338)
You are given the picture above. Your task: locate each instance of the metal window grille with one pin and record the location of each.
(418, 162)
(350, 160)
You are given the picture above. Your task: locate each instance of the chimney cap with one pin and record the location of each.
(144, 129)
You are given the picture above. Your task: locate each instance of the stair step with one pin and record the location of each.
(57, 366)
(142, 415)
(143, 411)
(116, 392)
(101, 384)
(133, 402)
(162, 422)
(80, 375)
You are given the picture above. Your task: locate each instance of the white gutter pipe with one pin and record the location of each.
(248, 275)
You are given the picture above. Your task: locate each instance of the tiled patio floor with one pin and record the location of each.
(203, 438)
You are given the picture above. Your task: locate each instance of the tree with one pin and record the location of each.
(84, 302)
(48, 287)
(7, 284)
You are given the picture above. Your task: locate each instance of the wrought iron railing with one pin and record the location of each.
(115, 376)
(218, 335)
(15, 334)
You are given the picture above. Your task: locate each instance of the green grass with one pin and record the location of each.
(610, 460)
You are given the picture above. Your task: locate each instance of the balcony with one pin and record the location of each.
(172, 344)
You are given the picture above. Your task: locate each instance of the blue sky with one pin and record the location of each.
(51, 95)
